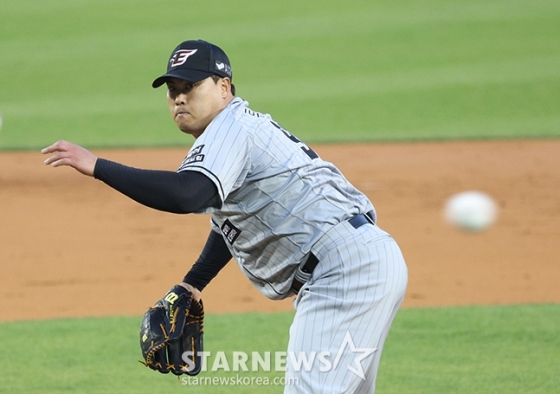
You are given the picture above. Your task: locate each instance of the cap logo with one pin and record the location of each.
(225, 68)
(181, 56)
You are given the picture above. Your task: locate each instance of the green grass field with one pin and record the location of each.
(328, 71)
(507, 349)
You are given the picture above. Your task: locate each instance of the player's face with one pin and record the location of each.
(194, 105)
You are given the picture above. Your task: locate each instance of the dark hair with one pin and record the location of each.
(216, 78)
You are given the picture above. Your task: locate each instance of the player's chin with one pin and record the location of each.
(187, 128)
(182, 124)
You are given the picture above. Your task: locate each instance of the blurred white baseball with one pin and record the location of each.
(471, 210)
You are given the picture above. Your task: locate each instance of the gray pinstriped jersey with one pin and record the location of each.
(278, 196)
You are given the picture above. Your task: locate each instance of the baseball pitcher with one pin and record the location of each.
(291, 221)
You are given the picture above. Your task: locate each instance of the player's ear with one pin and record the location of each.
(225, 84)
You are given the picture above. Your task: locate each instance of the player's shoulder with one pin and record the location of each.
(239, 121)
(246, 116)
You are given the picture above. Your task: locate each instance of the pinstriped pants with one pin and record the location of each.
(344, 312)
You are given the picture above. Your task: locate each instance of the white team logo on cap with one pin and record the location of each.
(181, 56)
(223, 67)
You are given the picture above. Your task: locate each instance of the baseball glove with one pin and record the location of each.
(171, 333)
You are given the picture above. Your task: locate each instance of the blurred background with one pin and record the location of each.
(329, 71)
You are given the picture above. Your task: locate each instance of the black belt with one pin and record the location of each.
(312, 261)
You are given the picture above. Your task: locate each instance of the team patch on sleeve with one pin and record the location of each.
(230, 231)
(194, 156)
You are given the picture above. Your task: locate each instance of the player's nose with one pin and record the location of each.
(180, 98)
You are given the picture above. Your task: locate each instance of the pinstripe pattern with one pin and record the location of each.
(281, 199)
(357, 288)
(281, 202)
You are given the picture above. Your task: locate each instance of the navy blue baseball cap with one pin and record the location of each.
(194, 61)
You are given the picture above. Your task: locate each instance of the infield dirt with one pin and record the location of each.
(71, 246)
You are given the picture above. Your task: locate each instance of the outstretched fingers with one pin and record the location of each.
(65, 153)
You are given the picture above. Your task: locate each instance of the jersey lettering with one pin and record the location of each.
(195, 156)
(230, 231)
(308, 151)
(252, 113)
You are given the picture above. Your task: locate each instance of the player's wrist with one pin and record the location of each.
(195, 292)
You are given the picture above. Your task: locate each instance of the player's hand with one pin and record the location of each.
(195, 292)
(69, 154)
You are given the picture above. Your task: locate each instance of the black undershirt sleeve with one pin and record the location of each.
(213, 258)
(175, 192)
